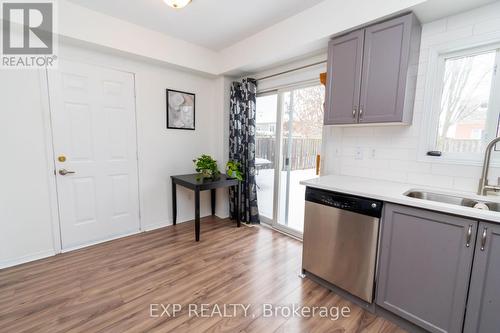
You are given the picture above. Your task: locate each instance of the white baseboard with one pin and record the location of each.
(78, 247)
(27, 258)
(163, 224)
(50, 253)
(154, 226)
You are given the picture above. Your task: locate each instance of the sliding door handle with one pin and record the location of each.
(318, 164)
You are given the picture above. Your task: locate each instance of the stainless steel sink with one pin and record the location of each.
(454, 200)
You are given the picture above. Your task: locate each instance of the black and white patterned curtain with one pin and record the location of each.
(242, 146)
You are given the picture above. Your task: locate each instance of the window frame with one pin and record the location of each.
(433, 95)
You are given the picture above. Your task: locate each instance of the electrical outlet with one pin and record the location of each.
(373, 153)
(359, 153)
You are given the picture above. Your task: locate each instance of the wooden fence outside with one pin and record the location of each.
(461, 146)
(303, 152)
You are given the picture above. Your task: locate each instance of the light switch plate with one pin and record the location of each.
(359, 153)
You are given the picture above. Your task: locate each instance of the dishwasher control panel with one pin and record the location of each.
(355, 204)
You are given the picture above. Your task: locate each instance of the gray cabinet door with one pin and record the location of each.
(385, 68)
(345, 55)
(425, 265)
(483, 309)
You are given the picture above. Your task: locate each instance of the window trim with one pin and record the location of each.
(433, 90)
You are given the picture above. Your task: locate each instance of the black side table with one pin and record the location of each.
(191, 182)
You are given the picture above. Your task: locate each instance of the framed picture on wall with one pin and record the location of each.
(180, 110)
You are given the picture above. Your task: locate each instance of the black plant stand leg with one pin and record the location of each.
(213, 200)
(197, 214)
(238, 203)
(174, 202)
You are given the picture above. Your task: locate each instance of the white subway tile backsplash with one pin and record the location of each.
(357, 131)
(465, 184)
(494, 174)
(411, 166)
(346, 152)
(445, 37)
(350, 170)
(435, 27)
(367, 163)
(391, 152)
(424, 56)
(396, 154)
(456, 170)
(407, 142)
(389, 175)
(418, 107)
(430, 180)
(474, 16)
(487, 26)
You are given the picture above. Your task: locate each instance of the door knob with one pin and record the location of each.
(64, 172)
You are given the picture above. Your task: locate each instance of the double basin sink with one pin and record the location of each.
(454, 200)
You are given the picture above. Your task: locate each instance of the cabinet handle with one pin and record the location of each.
(483, 238)
(469, 236)
(360, 113)
(354, 112)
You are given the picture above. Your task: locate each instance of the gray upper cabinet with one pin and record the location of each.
(483, 308)
(387, 58)
(425, 265)
(383, 92)
(342, 97)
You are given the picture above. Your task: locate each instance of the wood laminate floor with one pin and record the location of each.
(110, 287)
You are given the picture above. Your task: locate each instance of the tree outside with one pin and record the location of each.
(465, 101)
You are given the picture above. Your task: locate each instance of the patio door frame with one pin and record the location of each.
(278, 161)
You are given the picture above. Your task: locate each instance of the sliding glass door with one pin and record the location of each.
(289, 131)
(265, 155)
(302, 125)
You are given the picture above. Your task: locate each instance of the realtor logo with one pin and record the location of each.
(28, 34)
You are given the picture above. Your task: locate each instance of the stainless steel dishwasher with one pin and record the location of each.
(340, 240)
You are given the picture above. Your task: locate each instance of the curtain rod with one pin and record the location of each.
(292, 70)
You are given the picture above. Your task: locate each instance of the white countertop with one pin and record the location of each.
(394, 192)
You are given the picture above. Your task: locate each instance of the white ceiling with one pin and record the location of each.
(214, 24)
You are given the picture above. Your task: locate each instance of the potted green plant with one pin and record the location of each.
(207, 167)
(234, 170)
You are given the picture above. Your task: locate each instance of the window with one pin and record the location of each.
(466, 109)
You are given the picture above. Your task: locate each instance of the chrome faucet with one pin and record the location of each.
(484, 187)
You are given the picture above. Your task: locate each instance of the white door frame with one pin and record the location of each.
(50, 154)
(49, 150)
(277, 154)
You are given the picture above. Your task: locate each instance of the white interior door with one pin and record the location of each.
(94, 133)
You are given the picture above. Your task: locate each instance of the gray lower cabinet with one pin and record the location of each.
(424, 267)
(483, 308)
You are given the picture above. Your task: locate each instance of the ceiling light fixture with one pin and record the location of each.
(177, 4)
